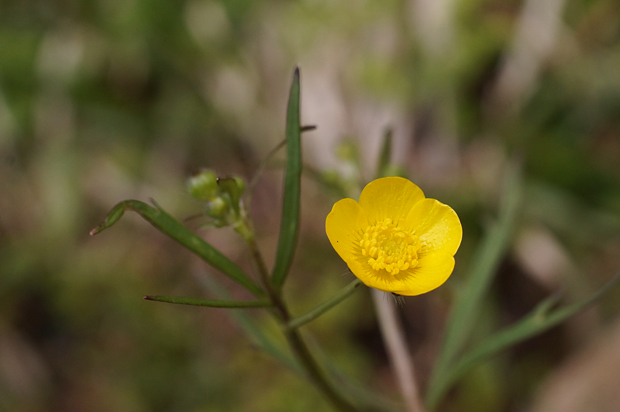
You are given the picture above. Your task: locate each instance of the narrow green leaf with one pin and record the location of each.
(385, 156)
(325, 306)
(538, 321)
(289, 226)
(175, 229)
(484, 266)
(210, 302)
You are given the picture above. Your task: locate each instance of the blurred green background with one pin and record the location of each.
(105, 100)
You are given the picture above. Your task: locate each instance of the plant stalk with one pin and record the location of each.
(297, 344)
(394, 340)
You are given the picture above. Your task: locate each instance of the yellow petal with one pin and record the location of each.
(361, 269)
(391, 197)
(437, 226)
(344, 226)
(432, 271)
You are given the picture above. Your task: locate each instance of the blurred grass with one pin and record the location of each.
(102, 101)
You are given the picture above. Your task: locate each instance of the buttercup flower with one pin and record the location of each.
(395, 239)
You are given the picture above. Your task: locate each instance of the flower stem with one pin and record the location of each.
(401, 361)
(325, 306)
(297, 344)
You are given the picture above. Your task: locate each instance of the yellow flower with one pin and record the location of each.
(395, 239)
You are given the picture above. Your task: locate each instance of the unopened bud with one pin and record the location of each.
(203, 186)
(240, 185)
(234, 187)
(217, 208)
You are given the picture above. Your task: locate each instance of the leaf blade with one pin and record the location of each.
(212, 303)
(165, 223)
(538, 321)
(257, 335)
(289, 226)
(484, 266)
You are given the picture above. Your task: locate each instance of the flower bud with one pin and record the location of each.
(217, 208)
(240, 185)
(203, 186)
(234, 187)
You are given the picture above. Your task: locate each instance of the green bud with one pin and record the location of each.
(203, 186)
(240, 185)
(234, 187)
(217, 208)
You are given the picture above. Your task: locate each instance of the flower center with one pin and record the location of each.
(389, 247)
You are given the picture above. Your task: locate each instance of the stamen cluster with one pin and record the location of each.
(389, 247)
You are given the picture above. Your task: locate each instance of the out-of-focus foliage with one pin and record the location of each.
(103, 100)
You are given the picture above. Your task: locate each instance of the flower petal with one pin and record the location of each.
(391, 197)
(432, 271)
(344, 226)
(437, 225)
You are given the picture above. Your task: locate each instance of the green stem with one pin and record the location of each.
(325, 306)
(298, 346)
(317, 376)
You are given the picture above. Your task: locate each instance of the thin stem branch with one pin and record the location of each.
(263, 164)
(394, 341)
(325, 306)
(260, 169)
